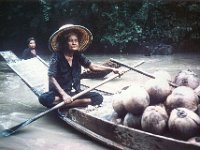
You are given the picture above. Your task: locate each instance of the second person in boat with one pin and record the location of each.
(64, 72)
(31, 51)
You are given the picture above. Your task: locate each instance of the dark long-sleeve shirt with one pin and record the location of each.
(67, 76)
(27, 54)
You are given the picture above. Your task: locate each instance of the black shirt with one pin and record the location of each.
(27, 54)
(66, 75)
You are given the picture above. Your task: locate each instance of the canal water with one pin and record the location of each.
(18, 103)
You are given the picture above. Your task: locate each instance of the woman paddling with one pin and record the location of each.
(67, 45)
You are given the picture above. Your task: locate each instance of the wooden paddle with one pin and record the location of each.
(40, 59)
(139, 71)
(12, 130)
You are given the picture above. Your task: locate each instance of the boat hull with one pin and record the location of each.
(119, 136)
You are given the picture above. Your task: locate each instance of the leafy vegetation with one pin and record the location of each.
(117, 26)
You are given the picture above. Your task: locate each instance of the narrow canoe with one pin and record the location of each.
(94, 121)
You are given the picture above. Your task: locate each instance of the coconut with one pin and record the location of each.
(158, 90)
(197, 91)
(161, 74)
(195, 140)
(187, 78)
(184, 123)
(136, 99)
(182, 96)
(198, 110)
(154, 119)
(133, 121)
(114, 118)
(117, 104)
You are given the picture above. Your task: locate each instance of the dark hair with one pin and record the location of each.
(29, 39)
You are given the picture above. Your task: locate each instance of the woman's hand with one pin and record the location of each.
(66, 98)
(116, 71)
(33, 51)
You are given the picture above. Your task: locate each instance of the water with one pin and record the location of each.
(18, 103)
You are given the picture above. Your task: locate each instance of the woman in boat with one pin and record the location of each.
(30, 52)
(67, 45)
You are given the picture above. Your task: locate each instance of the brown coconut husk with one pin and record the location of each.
(117, 104)
(114, 117)
(158, 90)
(133, 121)
(136, 99)
(197, 91)
(154, 119)
(182, 96)
(162, 74)
(187, 78)
(195, 140)
(184, 123)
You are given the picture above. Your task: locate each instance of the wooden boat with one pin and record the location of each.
(94, 121)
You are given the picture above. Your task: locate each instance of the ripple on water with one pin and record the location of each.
(11, 114)
(5, 122)
(9, 120)
(12, 82)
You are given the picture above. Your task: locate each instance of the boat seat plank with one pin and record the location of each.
(32, 71)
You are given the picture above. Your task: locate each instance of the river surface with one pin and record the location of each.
(18, 103)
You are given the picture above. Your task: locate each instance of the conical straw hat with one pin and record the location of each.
(85, 36)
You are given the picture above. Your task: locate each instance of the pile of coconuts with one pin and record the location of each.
(159, 108)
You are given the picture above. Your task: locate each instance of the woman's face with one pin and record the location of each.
(73, 43)
(32, 44)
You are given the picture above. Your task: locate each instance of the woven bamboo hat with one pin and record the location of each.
(84, 35)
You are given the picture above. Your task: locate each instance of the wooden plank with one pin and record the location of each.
(32, 71)
(9, 56)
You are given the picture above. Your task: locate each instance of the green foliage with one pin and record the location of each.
(45, 9)
(118, 24)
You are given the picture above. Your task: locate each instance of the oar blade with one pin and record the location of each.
(10, 131)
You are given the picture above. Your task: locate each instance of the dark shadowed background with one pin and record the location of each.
(132, 26)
